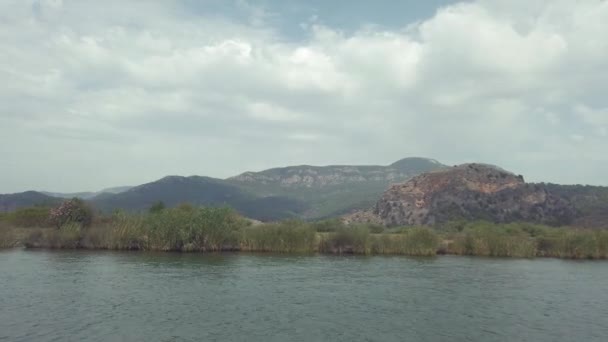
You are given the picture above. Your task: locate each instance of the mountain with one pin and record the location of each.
(335, 189)
(10, 202)
(115, 190)
(308, 192)
(88, 194)
(205, 191)
(83, 195)
(469, 191)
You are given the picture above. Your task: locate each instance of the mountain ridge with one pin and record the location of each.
(307, 191)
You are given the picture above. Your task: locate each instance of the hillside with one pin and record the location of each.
(308, 192)
(471, 192)
(335, 189)
(205, 191)
(10, 202)
(88, 194)
(591, 202)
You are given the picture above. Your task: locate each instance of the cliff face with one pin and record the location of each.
(306, 176)
(470, 191)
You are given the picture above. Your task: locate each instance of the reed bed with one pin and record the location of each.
(189, 229)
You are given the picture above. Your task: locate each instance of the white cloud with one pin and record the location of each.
(265, 111)
(510, 83)
(592, 116)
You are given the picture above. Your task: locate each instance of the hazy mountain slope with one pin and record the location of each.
(173, 190)
(10, 202)
(115, 189)
(65, 195)
(335, 189)
(88, 194)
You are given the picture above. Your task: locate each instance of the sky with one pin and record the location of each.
(97, 94)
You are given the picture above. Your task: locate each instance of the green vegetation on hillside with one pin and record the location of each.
(590, 201)
(202, 191)
(11, 202)
(193, 229)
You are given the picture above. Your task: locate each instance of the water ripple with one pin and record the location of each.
(108, 296)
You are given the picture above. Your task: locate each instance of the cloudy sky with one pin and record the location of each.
(105, 93)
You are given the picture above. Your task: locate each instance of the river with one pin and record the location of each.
(121, 296)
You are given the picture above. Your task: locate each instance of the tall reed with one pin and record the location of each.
(284, 237)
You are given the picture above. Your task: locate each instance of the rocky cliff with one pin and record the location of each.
(469, 191)
(306, 176)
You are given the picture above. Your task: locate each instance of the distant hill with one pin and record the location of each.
(205, 191)
(335, 189)
(115, 190)
(10, 202)
(308, 192)
(591, 202)
(470, 192)
(88, 194)
(316, 192)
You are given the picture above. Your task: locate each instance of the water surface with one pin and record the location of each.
(115, 296)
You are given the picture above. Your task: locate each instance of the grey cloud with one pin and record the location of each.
(100, 89)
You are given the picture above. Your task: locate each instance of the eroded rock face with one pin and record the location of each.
(470, 191)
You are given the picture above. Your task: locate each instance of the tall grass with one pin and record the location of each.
(359, 240)
(121, 232)
(527, 240)
(190, 229)
(346, 240)
(284, 237)
(68, 237)
(8, 237)
(493, 241)
(574, 244)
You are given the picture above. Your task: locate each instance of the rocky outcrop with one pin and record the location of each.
(469, 191)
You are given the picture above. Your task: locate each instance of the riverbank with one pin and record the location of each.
(189, 229)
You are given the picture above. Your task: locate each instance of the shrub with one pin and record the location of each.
(72, 211)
